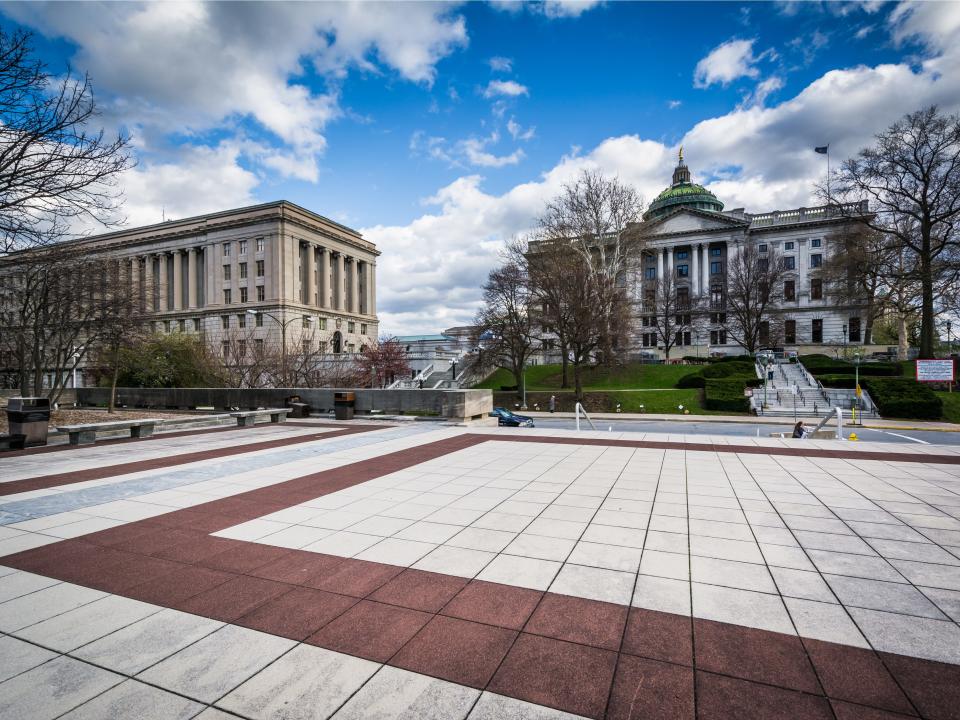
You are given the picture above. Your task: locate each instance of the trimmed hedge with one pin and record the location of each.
(717, 371)
(837, 381)
(725, 395)
(819, 365)
(904, 398)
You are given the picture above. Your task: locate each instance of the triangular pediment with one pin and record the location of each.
(690, 220)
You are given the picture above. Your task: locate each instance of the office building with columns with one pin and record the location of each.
(689, 237)
(306, 278)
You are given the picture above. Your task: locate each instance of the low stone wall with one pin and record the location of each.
(458, 405)
(67, 397)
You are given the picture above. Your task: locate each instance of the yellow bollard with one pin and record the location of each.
(853, 437)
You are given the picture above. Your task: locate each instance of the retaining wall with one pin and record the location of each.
(452, 404)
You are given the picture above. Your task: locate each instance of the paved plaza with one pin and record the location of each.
(315, 570)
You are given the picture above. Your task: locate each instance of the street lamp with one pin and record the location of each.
(764, 360)
(856, 368)
(306, 319)
(77, 351)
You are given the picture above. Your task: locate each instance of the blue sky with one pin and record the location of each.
(440, 130)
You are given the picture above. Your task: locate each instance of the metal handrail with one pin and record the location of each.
(578, 408)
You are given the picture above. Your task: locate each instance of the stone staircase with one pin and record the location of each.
(794, 392)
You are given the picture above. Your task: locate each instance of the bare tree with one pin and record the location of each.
(506, 318)
(597, 216)
(53, 167)
(382, 362)
(754, 292)
(911, 177)
(62, 305)
(672, 313)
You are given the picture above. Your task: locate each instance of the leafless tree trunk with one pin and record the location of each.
(506, 317)
(754, 293)
(911, 177)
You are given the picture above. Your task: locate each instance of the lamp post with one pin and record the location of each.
(75, 356)
(764, 360)
(844, 339)
(856, 368)
(283, 335)
(949, 344)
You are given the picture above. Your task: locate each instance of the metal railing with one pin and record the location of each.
(578, 408)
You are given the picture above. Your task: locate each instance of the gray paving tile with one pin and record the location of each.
(17, 583)
(930, 575)
(498, 707)
(307, 682)
(906, 635)
(880, 595)
(947, 600)
(43, 604)
(395, 694)
(19, 656)
(132, 699)
(802, 584)
(87, 623)
(53, 688)
(824, 621)
(863, 566)
(211, 667)
(746, 576)
(741, 607)
(138, 646)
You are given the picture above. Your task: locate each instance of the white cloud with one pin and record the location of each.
(727, 62)
(500, 64)
(756, 157)
(553, 9)
(764, 89)
(507, 88)
(674, 104)
(517, 132)
(472, 151)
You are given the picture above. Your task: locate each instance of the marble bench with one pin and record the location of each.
(87, 434)
(247, 418)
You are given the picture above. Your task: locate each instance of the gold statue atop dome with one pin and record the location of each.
(681, 154)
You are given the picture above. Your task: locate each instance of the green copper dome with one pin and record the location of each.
(682, 193)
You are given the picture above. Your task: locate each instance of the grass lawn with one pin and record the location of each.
(629, 377)
(951, 405)
(657, 401)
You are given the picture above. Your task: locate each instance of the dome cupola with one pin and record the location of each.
(682, 193)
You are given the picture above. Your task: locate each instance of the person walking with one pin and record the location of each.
(553, 403)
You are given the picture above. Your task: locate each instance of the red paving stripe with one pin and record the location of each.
(98, 473)
(580, 656)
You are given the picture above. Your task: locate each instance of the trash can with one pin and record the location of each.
(343, 404)
(30, 417)
(298, 408)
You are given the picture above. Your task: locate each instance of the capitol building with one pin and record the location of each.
(692, 239)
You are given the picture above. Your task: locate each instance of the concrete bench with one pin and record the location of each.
(87, 434)
(248, 418)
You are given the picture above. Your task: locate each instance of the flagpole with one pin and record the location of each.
(828, 175)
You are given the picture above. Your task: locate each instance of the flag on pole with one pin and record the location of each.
(822, 150)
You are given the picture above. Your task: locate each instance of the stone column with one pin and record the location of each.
(324, 284)
(354, 286)
(660, 253)
(192, 277)
(371, 289)
(148, 283)
(162, 302)
(134, 287)
(670, 261)
(695, 271)
(706, 269)
(177, 280)
(311, 271)
(210, 266)
(338, 286)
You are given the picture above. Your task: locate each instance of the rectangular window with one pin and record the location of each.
(763, 264)
(243, 247)
(196, 324)
(815, 243)
(716, 296)
(816, 260)
(349, 327)
(686, 337)
(226, 249)
(816, 289)
(322, 322)
(683, 254)
(789, 290)
(683, 298)
(243, 271)
(166, 326)
(790, 263)
(683, 270)
(790, 331)
(241, 320)
(816, 334)
(650, 273)
(854, 329)
(762, 247)
(716, 268)
(363, 328)
(306, 321)
(243, 295)
(259, 268)
(259, 320)
(258, 348)
(259, 245)
(716, 252)
(226, 297)
(788, 246)
(646, 339)
(225, 349)
(306, 347)
(241, 348)
(225, 322)
(182, 325)
(260, 293)
(226, 272)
